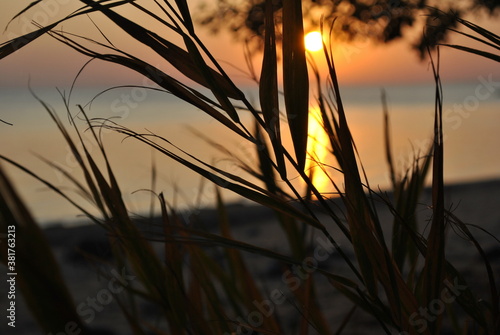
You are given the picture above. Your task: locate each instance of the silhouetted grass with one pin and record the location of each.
(391, 275)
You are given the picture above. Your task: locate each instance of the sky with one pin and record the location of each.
(46, 62)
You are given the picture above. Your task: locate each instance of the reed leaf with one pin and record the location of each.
(268, 89)
(210, 79)
(160, 78)
(241, 274)
(433, 272)
(481, 31)
(201, 238)
(38, 281)
(489, 35)
(186, 62)
(495, 301)
(295, 78)
(267, 200)
(482, 53)
(17, 43)
(186, 15)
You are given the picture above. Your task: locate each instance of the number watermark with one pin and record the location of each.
(11, 275)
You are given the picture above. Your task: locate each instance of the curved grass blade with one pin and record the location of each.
(241, 274)
(210, 79)
(482, 53)
(264, 198)
(17, 43)
(34, 3)
(179, 58)
(495, 301)
(38, 274)
(160, 78)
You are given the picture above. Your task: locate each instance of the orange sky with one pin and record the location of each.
(47, 63)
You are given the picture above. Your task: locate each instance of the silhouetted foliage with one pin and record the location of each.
(379, 20)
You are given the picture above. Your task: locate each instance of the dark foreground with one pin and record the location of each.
(92, 283)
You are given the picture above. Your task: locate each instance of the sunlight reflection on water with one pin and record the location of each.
(471, 143)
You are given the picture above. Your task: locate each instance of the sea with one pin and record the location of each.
(471, 141)
(471, 122)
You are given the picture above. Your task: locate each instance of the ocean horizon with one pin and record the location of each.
(470, 120)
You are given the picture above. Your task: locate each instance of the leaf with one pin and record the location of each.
(268, 89)
(34, 3)
(179, 58)
(210, 79)
(39, 276)
(17, 43)
(186, 15)
(241, 274)
(295, 78)
(433, 272)
(482, 53)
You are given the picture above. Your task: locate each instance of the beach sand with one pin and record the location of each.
(475, 203)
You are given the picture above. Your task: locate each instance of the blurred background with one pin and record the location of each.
(383, 59)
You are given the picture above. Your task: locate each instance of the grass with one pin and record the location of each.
(391, 276)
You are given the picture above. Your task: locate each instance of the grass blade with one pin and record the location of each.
(179, 58)
(433, 272)
(268, 89)
(295, 78)
(481, 53)
(39, 281)
(186, 15)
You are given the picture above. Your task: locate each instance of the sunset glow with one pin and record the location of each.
(313, 41)
(317, 150)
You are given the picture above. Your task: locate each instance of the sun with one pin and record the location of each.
(313, 41)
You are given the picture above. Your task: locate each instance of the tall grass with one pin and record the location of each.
(391, 276)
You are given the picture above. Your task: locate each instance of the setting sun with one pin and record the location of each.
(313, 41)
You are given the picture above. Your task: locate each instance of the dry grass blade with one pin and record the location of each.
(241, 274)
(265, 166)
(201, 238)
(387, 140)
(39, 281)
(481, 31)
(433, 272)
(247, 191)
(495, 301)
(361, 300)
(176, 290)
(186, 15)
(467, 300)
(78, 157)
(160, 78)
(488, 35)
(34, 3)
(212, 80)
(51, 187)
(482, 53)
(17, 43)
(404, 235)
(475, 38)
(186, 62)
(268, 89)
(375, 262)
(359, 216)
(295, 78)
